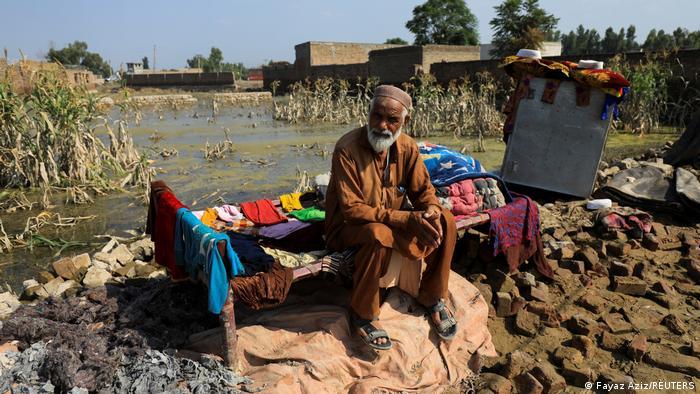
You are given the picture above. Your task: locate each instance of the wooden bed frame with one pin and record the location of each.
(227, 316)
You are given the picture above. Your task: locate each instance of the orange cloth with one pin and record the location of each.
(209, 217)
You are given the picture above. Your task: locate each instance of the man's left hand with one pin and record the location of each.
(432, 214)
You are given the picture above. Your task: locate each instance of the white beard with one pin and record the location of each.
(381, 140)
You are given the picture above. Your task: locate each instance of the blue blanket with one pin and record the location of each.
(196, 249)
(446, 166)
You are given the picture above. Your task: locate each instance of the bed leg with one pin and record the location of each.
(230, 339)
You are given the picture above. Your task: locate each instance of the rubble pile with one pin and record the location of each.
(110, 322)
(620, 309)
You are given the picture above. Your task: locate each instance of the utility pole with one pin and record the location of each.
(154, 58)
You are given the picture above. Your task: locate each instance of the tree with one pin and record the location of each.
(76, 54)
(215, 63)
(520, 24)
(444, 22)
(144, 61)
(396, 40)
(631, 39)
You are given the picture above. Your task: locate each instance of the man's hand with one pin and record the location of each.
(432, 215)
(421, 226)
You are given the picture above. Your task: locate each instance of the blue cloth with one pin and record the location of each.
(614, 102)
(196, 249)
(251, 253)
(446, 166)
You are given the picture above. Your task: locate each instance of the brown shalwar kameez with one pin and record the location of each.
(363, 210)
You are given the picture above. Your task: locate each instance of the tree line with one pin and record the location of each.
(524, 24)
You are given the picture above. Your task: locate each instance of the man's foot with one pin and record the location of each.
(374, 337)
(443, 321)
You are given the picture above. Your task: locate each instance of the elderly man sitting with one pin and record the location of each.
(374, 170)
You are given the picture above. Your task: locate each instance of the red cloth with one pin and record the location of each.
(161, 225)
(262, 213)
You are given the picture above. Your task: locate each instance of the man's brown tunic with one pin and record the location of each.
(363, 209)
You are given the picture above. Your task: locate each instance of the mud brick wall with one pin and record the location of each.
(310, 54)
(180, 79)
(395, 65)
(398, 65)
(285, 73)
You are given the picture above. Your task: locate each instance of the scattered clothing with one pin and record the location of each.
(162, 212)
(624, 219)
(292, 260)
(243, 226)
(644, 187)
(228, 213)
(262, 212)
(514, 232)
(264, 289)
(470, 196)
(518, 67)
(197, 249)
(463, 198)
(311, 214)
(301, 240)
(250, 253)
(309, 199)
(446, 166)
(290, 202)
(281, 230)
(489, 192)
(198, 214)
(209, 217)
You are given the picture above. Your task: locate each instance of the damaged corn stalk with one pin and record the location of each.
(220, 150)
(467, 108)
(48, 138)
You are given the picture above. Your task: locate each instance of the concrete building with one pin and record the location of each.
(549, 48)
(134, 68)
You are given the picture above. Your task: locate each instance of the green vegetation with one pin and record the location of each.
(215, 63)
(396, 41)
(521, 24)
(585, 42)
(444, 22)
(48, 139)
(464, 108)
(76, 54)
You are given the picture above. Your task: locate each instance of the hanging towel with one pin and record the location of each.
(196, 249)
(162, 211)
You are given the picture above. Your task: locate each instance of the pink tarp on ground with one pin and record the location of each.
(307, 346)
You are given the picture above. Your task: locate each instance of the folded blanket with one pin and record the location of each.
(446, 166)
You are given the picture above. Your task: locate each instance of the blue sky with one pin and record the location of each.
(254, 32)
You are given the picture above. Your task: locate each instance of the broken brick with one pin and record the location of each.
(516, 363)
(494, 382)
(580, 324)
(551, 381)
(650, 241)
(630, 285)
(666, 358)
(620, 269)
(563, 353)
(612, 342)
(526, 323)
(591, 301)
(675, 324)
(548, 315)
(669, 243)
(526, 383)
(637, 348)
(618, 249)
(577, 374)
(617, 323)
(503, 301)
(583, 344)
(589, 256)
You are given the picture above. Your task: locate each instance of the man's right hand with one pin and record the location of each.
(427, 234)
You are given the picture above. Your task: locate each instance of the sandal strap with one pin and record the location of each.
(371, 332)
(447, 324)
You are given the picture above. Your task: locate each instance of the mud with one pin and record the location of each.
(103, 338)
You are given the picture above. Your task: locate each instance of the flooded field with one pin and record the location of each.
(267, 159)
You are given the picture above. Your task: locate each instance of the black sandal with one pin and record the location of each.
(369, 333)
(447, 328)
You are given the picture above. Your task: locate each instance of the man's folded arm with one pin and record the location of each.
(420, 191)
(352, 206)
